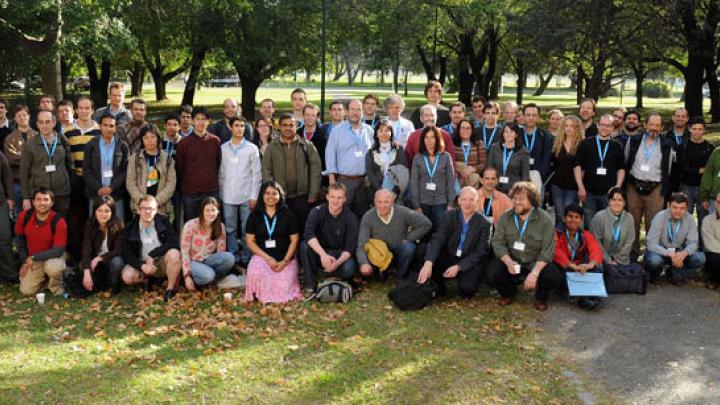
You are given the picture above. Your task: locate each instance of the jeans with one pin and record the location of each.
(9, 266)
(191, 203)
(312, 266)
(694, 202)
(594, 203)
(215, 267)
(403, 255)
(435, 214)
(654, 264)
(236, 245)
(562, 197)
(119, 208)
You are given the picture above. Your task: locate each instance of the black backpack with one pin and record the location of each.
(625, 279)
(31, 212)
(408, 295)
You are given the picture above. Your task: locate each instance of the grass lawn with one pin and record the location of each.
(133, 348)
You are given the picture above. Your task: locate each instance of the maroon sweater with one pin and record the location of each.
(197, 163)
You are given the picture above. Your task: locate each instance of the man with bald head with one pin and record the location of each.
(400, 227)
(222, 129)
(460, 247)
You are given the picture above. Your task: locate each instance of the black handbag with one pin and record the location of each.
(625, 279)
(408, 295)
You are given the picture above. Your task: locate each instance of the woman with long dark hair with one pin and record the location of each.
(384, 154)
(433, 180)
(510, 158)
(273, 236)
(470, 154)
(102, 260)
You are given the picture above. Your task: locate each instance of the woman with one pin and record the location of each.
(203, 247)
(563, 159)
(151, 172)
(614, 229)
(263, 134)
(384, 154)
(272, 234)
(511, 158)
(491, 130)
(554, 120)
(101, 259)
(432, 177)
(470, 154)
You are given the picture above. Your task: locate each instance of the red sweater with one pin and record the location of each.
(197, 163)
(589, 249)
(413, 144)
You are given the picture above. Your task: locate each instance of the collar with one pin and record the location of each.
(5, 124)
(390, 216)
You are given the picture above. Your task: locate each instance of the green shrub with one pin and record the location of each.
(657, 89)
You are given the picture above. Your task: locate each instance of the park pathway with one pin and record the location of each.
(661, 348)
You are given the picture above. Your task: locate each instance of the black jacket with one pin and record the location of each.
(476, 249)
(132, 244)
(92, 168)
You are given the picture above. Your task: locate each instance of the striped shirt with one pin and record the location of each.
(77, 138)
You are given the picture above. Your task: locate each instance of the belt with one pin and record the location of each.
(633, 180)
(345, 176)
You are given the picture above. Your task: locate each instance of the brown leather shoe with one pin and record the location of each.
(541, 305)
(505, 301)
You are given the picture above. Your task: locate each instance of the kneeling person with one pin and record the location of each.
(673, 240)
(330, 239)
(460, 247)
(150, 249)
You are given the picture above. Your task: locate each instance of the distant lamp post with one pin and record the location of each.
(324, 60)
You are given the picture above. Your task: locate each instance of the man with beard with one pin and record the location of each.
(618, 120)
(631, 129)
(130, 132)
(588, 109)
(679, 136)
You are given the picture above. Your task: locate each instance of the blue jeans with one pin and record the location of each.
(435, 214)
(312, 266)
(562, 197)
(694, 203)
(235, 244)
(403, 256)
(215, 267)
(594, 203)
(654, 264)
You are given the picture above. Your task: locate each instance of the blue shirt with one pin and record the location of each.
(346, 149)
(106, 161)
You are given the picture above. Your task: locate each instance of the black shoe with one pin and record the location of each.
(169, 294)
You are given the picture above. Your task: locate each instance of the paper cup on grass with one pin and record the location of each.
(40, 298)
(227, 297)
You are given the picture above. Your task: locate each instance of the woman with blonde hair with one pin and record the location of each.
(563, 159)
(554, 121)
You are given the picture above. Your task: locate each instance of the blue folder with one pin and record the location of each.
(586, 285)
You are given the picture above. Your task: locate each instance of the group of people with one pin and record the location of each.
(289, 200)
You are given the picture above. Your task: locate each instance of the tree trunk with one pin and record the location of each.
(98, 83)
(639, 71)
(443, 69)
(579, 84)
(465, 80)
(382, 76)
(50, 73)
(521, 81)
(494, 87)
(693, 84)
(64, 73)
(362, 77)
(427, 66)
(195, 66)
(159, 83)
(250, 87)
(136, 79)
(544, 82)
(714, 87)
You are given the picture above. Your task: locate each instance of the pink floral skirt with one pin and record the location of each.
(268, 286)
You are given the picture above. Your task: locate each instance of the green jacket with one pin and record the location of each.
(539, 238)
(710, 182)
(33, 174)
(308, 178)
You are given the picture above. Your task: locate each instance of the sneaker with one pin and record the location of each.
(541, 305)
(169, 294)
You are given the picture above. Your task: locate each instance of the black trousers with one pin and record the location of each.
(550, 279)
(299, 207)
(712, 266)
(468, 280)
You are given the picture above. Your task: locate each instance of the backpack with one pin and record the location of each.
(333, 291)
(625, 279)
(408, 295)
(31, 212)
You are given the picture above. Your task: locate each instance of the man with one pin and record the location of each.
(693, 155)
(478, 106)
(330, 240)
(116, 108)
(510, 112)
(631, 127)
(648, 161)
(221, 128)
(46, 162)
(337, 116)
(678, 136)
(185, 121)
(130, 132)
(673, 240)
(105, 166)
(599, 166)
(491, 130)
(13, 145)
(239, 178)
(399, 227)
(47, 103)
(8, 264)
(65, 116)
(402, 127)
(428, 114)
(460, 247)
(5, 125)
(295, 164)
(524, 248)
(173, 134)
(40, 237)
(433, 95)
(298, 99)
(370, 105)
(492, 203)
(618, 122)
(539, 144)
(150, 249)
(709, 182)
(267, 110)
(197, 162)
(588, 109)
(710, 230)
(313, 132)
(345, 153)
(577, 250)
(457, 114)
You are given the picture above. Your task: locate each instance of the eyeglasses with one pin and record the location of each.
(148, 209)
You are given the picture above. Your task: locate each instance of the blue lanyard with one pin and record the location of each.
(530, 144)
(647, 152)
(602, 154)
(573, 250)
(525, 224)
(488, 143)
(270, 228)
(466, 152)
(235, 151)
(155, 158)
(372, 123)
(672, 232)
(397, 128)
(477, 123)
(169, 146)
(463, 231)
(50, 153)
(358, 138)
(449, 128)
(506, 159)
(431, 173)
(678, 138)
(487, 209)
(106, 152)
(616, 230)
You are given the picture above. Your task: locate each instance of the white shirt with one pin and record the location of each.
(402, 128)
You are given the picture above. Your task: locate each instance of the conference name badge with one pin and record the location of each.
(270, 244)
(504, 180)
(519, 246)
(49, 168)
(430, 186)
(601, 171)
